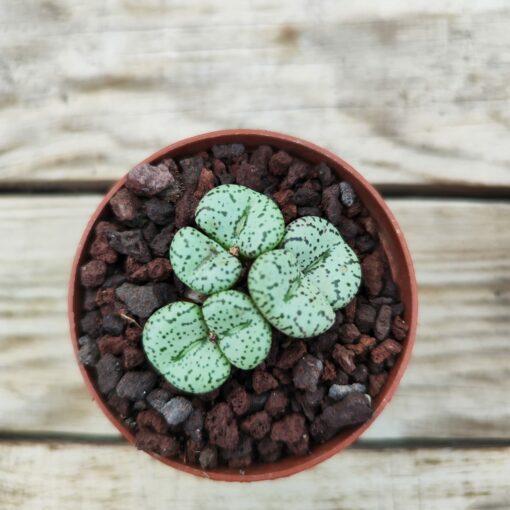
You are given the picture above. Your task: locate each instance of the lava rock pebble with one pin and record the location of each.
(307, 372)
(130, 242)
(93, 273)
(338, 392)
(143, 300)
(109, 372)
(177, 410)
(147, 180)
(136, 385)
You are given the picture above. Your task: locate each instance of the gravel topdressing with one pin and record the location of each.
(305, 392)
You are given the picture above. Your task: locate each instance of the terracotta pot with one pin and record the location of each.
(394, 245)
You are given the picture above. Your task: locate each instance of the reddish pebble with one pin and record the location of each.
(93, 273)
(376, 382)
(263, 381)
(132, 357)
(125, 205)
(257, 425)
(290, 429)
(291, 354)
(276, 403)
(345, 358)
(205, 183)
(152, 420)
(384, 350)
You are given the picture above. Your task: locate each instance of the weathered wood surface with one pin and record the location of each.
(408, 92)
(66, 477)
(456, 386)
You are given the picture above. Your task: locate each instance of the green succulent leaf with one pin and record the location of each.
(240, 218)
(202, 263)
(176, 341)
(243, 334)
(287, 298)
(193, 347)
(324, 258)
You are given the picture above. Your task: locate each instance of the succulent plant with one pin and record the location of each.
(241, 220)
(201, 263)
(299, 286)
(193, 347)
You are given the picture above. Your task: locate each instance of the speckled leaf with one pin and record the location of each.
(202, 263)
(237, 216)
(201, 369)
(243, 334)
(286, 298)
(324, 258)
(176, 341)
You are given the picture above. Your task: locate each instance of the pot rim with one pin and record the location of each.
(395, 248)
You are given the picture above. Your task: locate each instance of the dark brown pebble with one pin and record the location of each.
(239, 400)
(276, 403)
(298, 171)
(325, 175)
(206, 182)
(91, 323)
(109, 372)
(376, 382)
(101, 250)
(399, 328)
(352, 410)
(348, 333)
(147, 180)
(365, 317)
(120, 405)
(250, 176)
(130, 242)
(222, 427)
(136, 385)
(230, 152)
(307, 372)
(384, 350)
(263, 381)
(125, 205)
(269, 450)
(159, 211)
(165, 445)
(291, 354)
(261, 156)
(383, 322)
(93, 273)
(161, 242)
(331, 204)
(113, 325)
(132, 357)
(279, 163)
(290, 429)
(152, 420)
(373, 270)
(344, 357)
(257, 425)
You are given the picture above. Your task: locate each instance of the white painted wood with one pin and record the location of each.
(68, 476)
(408, 92)
(456, 386)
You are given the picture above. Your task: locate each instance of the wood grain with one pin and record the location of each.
(65, 477)
(407, 92)
(456, 386)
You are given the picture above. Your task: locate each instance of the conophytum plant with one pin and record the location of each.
(301, 275)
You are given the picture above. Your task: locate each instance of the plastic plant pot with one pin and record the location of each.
(393, 243)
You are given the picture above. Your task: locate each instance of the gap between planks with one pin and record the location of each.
(388, 190)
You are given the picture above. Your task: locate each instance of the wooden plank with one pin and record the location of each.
(456, 384)
(408, 92)
(68, 476)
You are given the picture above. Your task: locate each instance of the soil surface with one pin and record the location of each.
(305, 392)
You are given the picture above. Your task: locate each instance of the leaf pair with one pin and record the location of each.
(299, 286)
(193, 347)
(239, 222)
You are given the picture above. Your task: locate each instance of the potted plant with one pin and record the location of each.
(242, 305)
